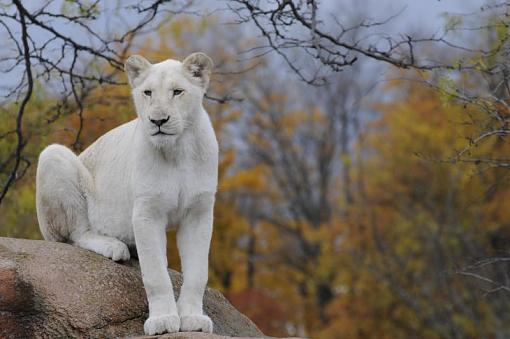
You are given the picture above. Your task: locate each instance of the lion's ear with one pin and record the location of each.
(198, 66)
(134, 66)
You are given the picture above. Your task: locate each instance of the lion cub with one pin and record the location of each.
(126, 189)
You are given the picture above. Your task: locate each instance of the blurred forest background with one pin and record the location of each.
(365, 154)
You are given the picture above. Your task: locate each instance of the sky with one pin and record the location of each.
(428, 13)
(423, 16)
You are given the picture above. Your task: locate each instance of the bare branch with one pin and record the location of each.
(21, 110)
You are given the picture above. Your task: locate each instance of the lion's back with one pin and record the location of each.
(111, 146)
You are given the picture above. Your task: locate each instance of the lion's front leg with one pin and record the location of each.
(150, 236)
(193, 240)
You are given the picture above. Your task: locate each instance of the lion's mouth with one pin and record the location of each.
(162, 133)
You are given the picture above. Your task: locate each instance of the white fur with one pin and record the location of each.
(130, 185)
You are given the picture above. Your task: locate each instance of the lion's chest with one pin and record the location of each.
(180, 190)
(173, 189)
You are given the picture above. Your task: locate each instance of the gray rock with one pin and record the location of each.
(55, 290)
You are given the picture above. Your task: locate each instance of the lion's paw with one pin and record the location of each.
(161, 324)
(194, 323)
(116, 250)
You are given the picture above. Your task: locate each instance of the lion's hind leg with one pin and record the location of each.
(60, 193)
(62, 186)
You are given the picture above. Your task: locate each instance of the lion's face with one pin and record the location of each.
(168, 95)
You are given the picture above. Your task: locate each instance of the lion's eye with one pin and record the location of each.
(147, 93)
(177, 92)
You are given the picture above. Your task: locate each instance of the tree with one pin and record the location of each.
(472, 47)
(62, 45)
(466, 63)
(415, 223)
(294, 151)
(301, 25)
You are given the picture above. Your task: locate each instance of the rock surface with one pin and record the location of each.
(55, 290)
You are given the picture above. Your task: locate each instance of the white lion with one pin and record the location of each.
(126, 189)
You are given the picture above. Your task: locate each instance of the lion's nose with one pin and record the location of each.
(160, 122)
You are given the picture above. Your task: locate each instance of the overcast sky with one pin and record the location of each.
(422, 16)
(419, 14)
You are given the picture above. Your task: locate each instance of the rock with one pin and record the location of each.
(55, 290)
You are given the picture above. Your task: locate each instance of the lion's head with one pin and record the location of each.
(168, 94)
